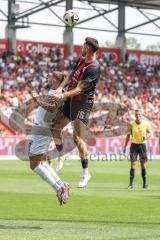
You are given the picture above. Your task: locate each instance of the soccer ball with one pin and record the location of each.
(70, 18)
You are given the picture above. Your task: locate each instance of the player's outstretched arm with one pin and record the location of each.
(49, 105)
(75, 91)
(71, 93)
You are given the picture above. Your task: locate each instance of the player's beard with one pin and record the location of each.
(83, 52)
(138, 121)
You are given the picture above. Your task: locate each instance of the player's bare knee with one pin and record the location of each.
(33, 164)
(143, 165)
(133, 164)
(35, 160)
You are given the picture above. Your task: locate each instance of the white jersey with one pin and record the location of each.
(43, 117)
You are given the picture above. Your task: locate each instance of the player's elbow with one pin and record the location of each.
(78, 90)
(128, 136)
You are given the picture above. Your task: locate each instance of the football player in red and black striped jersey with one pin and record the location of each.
(78, 103)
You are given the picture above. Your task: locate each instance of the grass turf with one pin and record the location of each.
(105, 210)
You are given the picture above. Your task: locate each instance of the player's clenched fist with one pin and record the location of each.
(34, 94)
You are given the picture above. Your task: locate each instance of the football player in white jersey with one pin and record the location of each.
(41, 139)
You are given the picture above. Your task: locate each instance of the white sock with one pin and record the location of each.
(46, 176)
(53, 173)
(85, 171)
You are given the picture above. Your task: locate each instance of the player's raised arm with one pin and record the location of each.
(80, 87)
(62, 85)
(74, 92)
(48, 103)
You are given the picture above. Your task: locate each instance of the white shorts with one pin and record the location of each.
(40, 143)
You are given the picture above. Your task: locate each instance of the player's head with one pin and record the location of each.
(59, 76)
(90, 45)
(138, 115)
(55, 78)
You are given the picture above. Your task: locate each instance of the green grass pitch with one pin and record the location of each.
(105, 210)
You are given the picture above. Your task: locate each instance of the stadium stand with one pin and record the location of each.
(130, 83)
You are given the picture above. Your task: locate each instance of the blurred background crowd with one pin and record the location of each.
(128, 84)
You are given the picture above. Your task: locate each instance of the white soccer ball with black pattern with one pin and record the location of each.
(70, 18)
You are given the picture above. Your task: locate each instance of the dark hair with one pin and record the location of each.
(93, 43)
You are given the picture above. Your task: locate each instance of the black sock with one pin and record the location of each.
(59, 149)
(144, 175)
(132, 174)
(84, 163)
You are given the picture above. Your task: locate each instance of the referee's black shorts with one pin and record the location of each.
(138, 150)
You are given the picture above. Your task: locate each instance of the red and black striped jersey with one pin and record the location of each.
(86, 72)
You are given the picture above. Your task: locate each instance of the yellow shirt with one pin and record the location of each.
(139, 131)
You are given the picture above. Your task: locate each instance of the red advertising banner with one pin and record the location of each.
(115, 145)
(40, 47)
(37, 47)
(144, 57)
(8, 144)
(111, 53)
(3, 45)
(103, 146)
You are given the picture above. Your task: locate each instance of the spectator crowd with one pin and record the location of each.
(128, 83)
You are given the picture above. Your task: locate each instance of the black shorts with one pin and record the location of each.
(78, 108)
(138, 149)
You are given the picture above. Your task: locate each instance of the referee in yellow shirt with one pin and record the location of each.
(140, 130)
